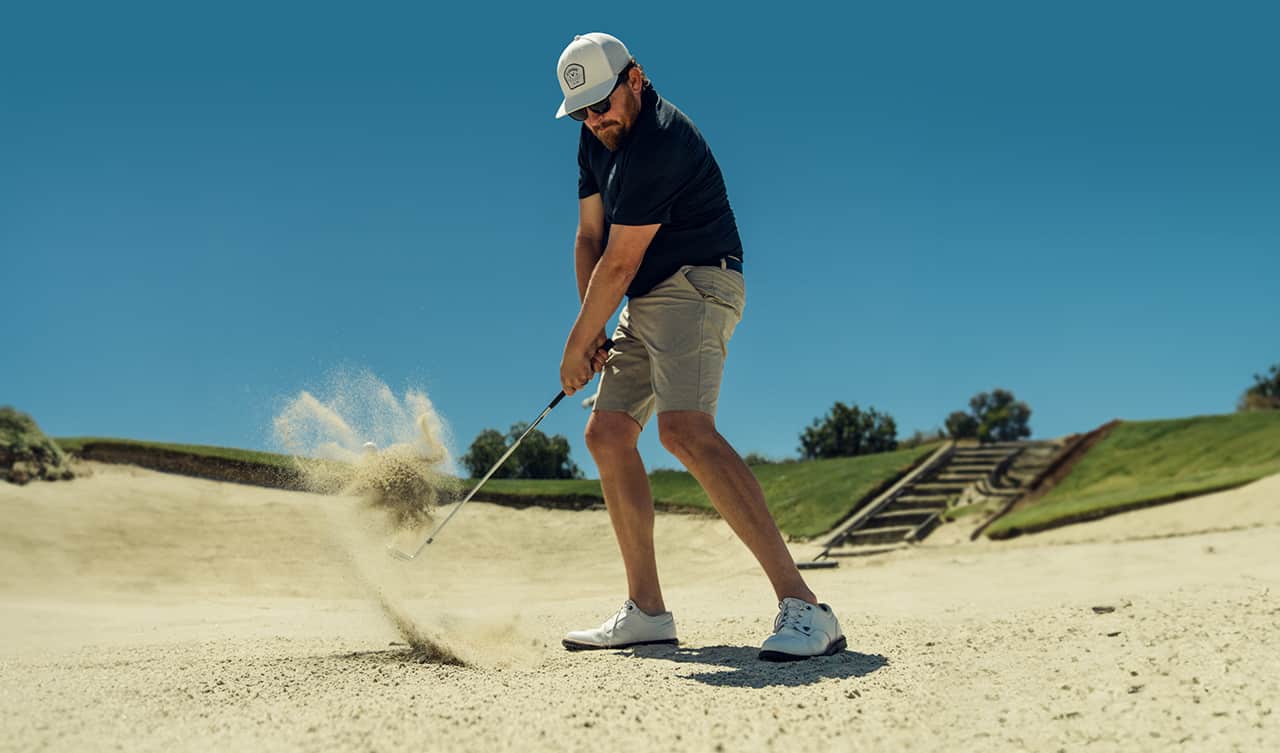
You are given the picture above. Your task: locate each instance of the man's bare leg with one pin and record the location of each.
(611, 437)
(692, 437)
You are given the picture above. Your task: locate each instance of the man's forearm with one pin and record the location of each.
(586, 253)
(606, 285)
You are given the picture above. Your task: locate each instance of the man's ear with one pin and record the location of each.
(635, 80)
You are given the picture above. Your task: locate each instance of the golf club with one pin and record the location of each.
(396, 552)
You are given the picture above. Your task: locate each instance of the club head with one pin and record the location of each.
(394, 552)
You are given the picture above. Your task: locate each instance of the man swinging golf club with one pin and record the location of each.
(655, 224)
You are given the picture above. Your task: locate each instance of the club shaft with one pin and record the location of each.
(492, 471)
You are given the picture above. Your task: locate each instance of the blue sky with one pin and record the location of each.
(205, 210)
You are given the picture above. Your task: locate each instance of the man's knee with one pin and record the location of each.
(609, 432)
(687, 433)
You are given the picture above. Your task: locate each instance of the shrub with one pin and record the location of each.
(848, 430)
(538, 456)
(994, 416)
(1265, 392)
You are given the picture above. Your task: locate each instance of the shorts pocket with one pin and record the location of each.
(716, 285)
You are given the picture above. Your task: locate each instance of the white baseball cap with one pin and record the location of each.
(588, 70)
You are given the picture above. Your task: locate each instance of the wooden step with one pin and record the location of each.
(993, 492)
(865, 550)
(980, 456)
(969, 467)
(923, 502)
(908, 517)
(981, 448)
(932, 487)
(885, 535)
(925, 528)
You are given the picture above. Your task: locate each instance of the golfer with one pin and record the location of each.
(654, 224)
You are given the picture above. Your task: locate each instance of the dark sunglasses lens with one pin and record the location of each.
(599, 108)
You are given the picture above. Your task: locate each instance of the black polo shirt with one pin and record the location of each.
(663, 172)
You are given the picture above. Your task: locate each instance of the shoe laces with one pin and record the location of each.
(621, 615)
(791, 615)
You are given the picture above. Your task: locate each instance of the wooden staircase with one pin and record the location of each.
(912, 508)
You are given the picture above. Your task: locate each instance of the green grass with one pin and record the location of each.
(1147, 462)
(539, 487)
(75, 444)
(807, 498)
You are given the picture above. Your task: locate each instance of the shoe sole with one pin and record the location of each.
(836, 647)
(575, 646)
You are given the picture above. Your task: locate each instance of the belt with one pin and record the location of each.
(726, 262)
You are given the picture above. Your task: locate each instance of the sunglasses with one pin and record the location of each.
(601, 107)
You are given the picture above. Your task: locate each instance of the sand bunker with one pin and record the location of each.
(195, 615)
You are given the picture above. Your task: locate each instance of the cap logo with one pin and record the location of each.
(574, 75)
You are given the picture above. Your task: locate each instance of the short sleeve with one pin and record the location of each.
(587, 185)
(654, 181)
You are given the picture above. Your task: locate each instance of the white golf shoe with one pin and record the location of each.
(629, 627)
(803, 630)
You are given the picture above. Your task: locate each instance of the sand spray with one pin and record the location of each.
(360, 439)
(357, 439)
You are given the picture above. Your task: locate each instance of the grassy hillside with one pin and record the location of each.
(807, 498)
(1141, 463)
(76, 444)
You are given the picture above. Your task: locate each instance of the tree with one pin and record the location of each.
(541, 456)
(538, 456)
(994, 416)
(485, 451)
(848, 430)
(1265, 392)
(961, 425)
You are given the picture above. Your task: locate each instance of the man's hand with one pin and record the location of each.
(600, 355)
(577, 369)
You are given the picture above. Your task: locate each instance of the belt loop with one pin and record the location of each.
(724, 263)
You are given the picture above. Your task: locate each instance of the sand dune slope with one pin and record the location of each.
(149, 612)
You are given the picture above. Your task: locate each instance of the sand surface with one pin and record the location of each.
(141, 611)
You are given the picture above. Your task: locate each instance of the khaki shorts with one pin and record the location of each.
(670, 344)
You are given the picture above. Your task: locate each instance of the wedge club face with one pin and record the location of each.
(404, 556)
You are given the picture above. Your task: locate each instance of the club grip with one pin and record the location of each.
(606, 347)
